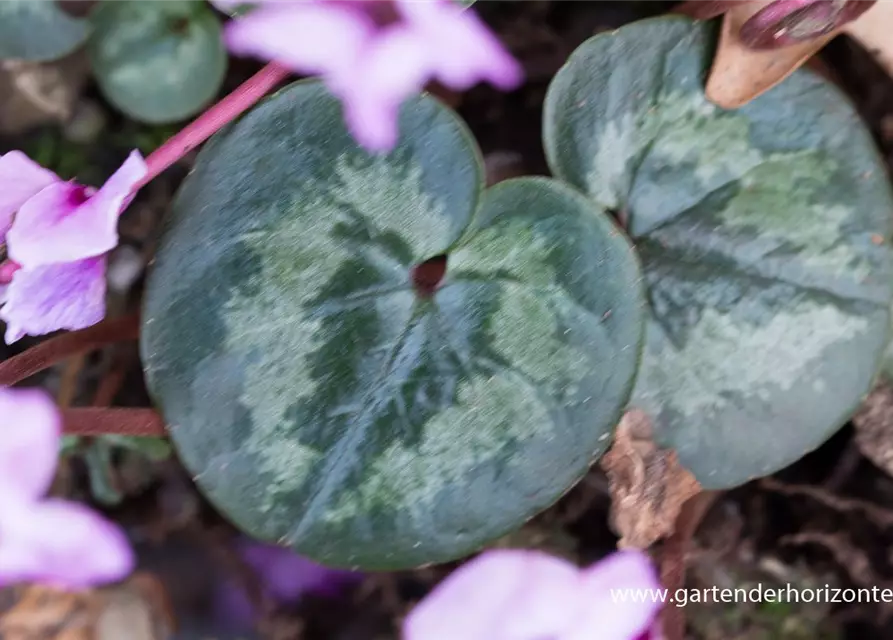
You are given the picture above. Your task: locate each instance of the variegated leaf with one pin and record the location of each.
(764, 235)
(157, 61)
(325, 401)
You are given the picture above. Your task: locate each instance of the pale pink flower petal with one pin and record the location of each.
(65, 222)
(529, 595)
(374, 67)
(30, 431)
(463, 51)
(41, 300)
(614, 618)
(309, 37)
(61, 543)
(20, 179)
(500, 595)
(394, 68)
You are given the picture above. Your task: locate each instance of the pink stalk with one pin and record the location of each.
(100, 421)
(207, 124)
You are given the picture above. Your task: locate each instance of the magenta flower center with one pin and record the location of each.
(79, 195)
(382, 12)
(7, 269)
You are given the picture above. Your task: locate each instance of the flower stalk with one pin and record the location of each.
(212, 120)
(49, 352)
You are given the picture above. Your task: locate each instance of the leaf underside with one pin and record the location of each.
(764, 238)
(319, 399)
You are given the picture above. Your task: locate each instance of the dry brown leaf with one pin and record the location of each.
(137, 610)
(35, 93)
(740, 74)
(648, 485)
(874, 30)
(874, 427)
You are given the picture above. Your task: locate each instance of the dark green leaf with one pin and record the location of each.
(157, 61)
(102, 474)
(39, 30)
(70, 444)
(155, 449)
(764, 236)
(319, 400)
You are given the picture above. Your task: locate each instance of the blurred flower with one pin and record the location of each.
(47, 540)
(529, 595)
(373, 54)
(784, 22)
(285, 577)
(57, 234)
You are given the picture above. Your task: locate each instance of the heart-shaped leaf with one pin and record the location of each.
(330, 388)
(763, 234)
(39, 30)
(157, 61)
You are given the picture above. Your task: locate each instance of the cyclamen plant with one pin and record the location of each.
(362, 354)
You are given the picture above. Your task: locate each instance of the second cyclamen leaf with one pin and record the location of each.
(764, 237)
(330, 395)
(157, 61)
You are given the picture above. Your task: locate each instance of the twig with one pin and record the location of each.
(68, 385)
(49, 352)
(96, 421)
(846, 465)
(673, 558)
(110, 383)
(207, 124)
(877, 514)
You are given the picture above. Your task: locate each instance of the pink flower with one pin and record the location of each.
(285, 578)
(47, 540)
(373, 64)
(529, 595)
(57, 234)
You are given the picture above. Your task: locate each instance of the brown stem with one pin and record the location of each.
(673, 558)
(51, 351)
(105, 421)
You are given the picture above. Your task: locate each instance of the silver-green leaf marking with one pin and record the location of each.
(764, 236)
